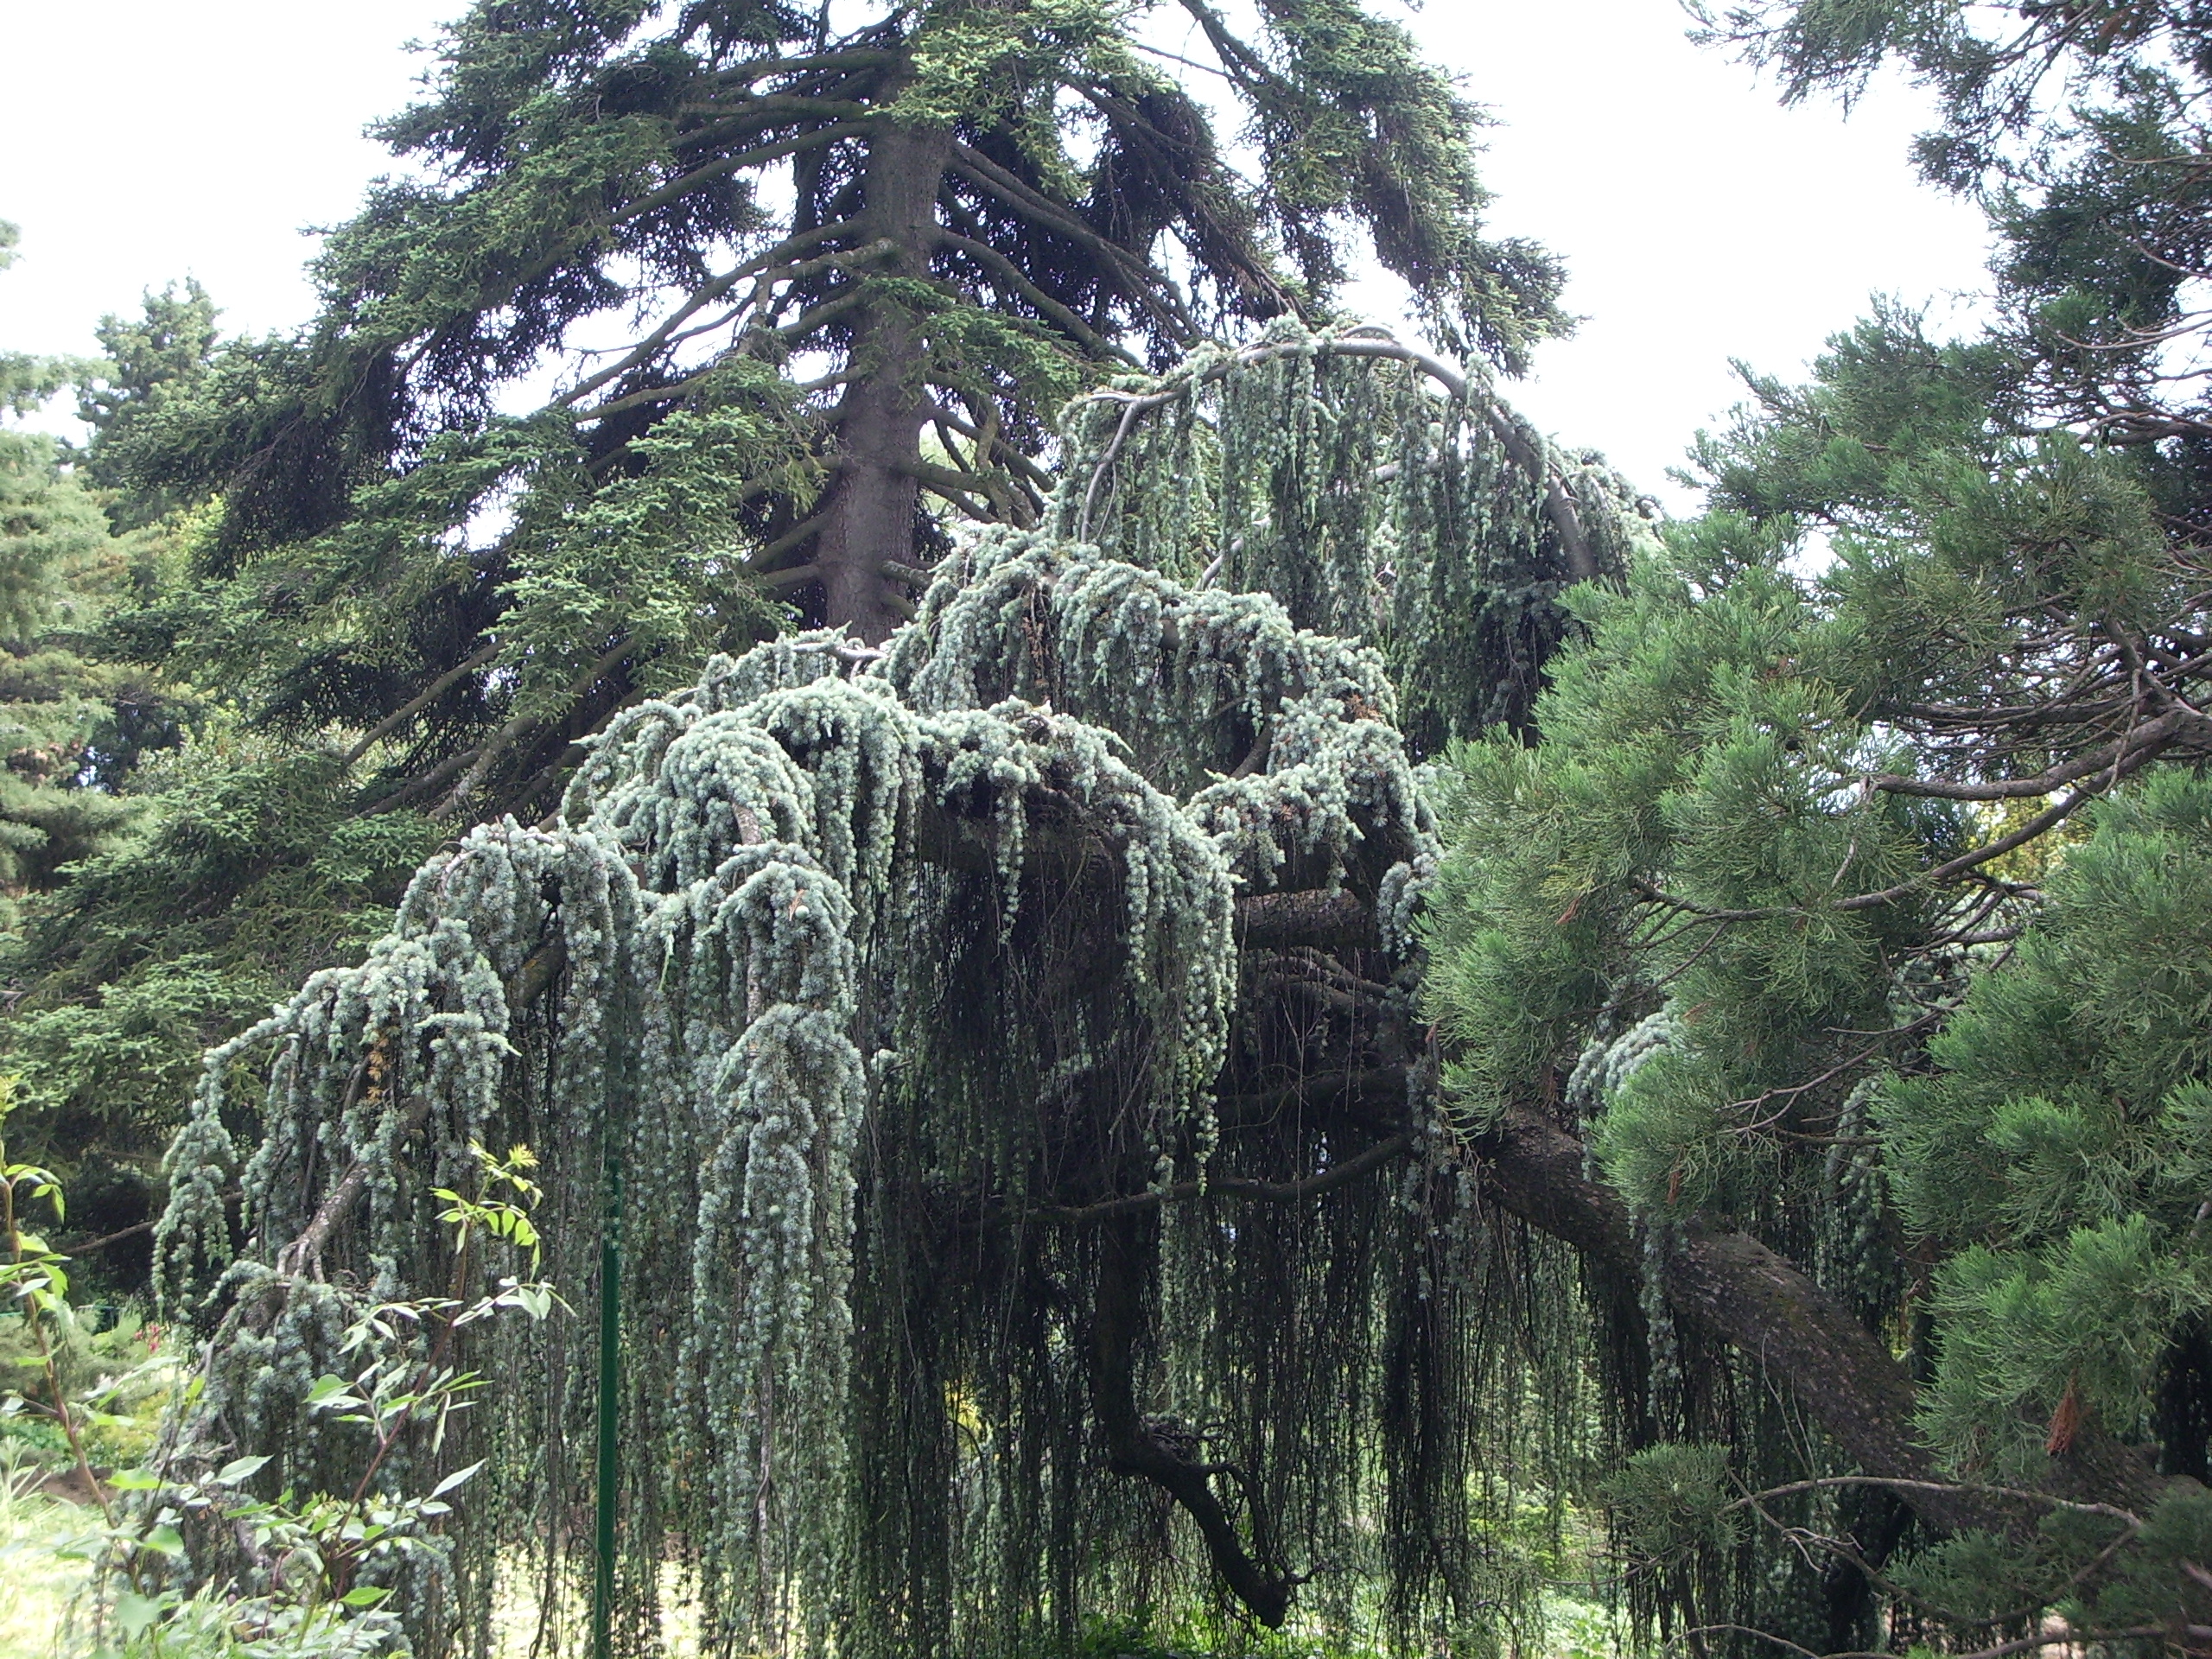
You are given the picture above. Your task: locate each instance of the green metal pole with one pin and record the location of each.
(610, 1379)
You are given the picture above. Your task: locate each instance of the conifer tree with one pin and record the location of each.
(1027, 1028)
(974, 1063)
(57, 563)
(1845, 922)
(976, 1081)
(800, 288)
(682, 324)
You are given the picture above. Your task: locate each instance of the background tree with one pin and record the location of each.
(154, 900)
(146, 361)
(57, 558)
(72, 722)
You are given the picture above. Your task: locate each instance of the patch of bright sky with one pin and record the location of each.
(143, 139)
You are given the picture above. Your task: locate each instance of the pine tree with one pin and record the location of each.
(1845, 920)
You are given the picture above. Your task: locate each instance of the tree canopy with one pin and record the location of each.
(634, 365)
(984, 1071)
(1160, 966)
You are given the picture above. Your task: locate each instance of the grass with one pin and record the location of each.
(38, 1579)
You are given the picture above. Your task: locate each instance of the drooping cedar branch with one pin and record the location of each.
(1559, 502)
(889, 979)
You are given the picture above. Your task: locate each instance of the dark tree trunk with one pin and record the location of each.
(1116, 1322)
(869, 513)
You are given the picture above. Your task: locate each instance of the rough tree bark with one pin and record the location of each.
(868, 518)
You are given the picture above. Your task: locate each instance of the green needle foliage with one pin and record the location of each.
(57, 563)
(1328, 985)
(1755, 926)
(796, 290)
(1846, 918)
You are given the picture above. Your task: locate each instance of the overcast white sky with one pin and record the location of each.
(144, 139)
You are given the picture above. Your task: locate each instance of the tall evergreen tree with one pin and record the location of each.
(790, 282)
(980, 1073)
(71, 722)
(58, 565)
(684, 323)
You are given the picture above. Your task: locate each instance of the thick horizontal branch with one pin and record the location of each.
(1743, 1292)
(1277, 920)
(1062, 851)
(795, 576)
(2112, 770)
(2152, 735)
(1006, 453)
(676, 190)
(840, 57)
(1140, 281)
(778, 258)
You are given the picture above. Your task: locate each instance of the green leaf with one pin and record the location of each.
(237, 1470)
(364, 1595)
(135, 1613)
(454, 1479)
(164, 1541)
(134, 1480)
(331, 1391)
